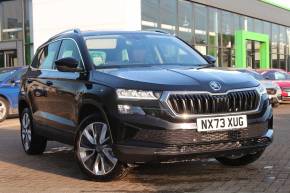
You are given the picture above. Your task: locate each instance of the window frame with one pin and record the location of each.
(46, 44)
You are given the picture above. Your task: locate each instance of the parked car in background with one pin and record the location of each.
(282, 78)
(9, 90)
(139, 97)
(273, 89)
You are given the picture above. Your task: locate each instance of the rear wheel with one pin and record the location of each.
(93, 150)
(32, 143)
(240, 160)
(4, 108)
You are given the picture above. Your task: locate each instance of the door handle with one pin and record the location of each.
(49, 83)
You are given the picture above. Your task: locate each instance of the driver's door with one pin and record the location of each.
(66, 89)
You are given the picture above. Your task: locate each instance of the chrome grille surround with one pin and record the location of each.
(166, 94)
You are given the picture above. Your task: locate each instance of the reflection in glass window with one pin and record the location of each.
(275, 38)
(185, 21)
(258, 26)
(48, 55)
(150, 14)
(275, 63)
(282, 40)
(168, 15)
(267, 28)
(227, 29)
(200, 20)
(213, 29)
(11, 20)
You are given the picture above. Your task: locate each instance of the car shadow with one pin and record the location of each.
(59, 159)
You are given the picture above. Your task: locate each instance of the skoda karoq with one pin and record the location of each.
(123, 98)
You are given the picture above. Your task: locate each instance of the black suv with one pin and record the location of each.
(126, 98)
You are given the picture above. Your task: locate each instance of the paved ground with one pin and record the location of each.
(56, 170)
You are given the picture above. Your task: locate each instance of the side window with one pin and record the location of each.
(280, 76)
(46, 56)
(69, 49)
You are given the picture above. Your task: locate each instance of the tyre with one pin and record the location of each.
(32, 143)
(93, 151)
(240, 160)
(4, 109)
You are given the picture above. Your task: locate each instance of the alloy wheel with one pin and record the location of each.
(26, 131)
(95, 149)
(3, 110)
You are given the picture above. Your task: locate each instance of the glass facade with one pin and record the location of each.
(212, 31)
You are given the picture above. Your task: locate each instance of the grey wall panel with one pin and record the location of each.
(253, 8)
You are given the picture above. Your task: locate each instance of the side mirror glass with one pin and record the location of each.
(67, 64)
(210, 59)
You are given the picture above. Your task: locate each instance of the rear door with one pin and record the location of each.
(40, 92)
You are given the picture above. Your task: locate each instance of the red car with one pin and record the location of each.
(282, 78)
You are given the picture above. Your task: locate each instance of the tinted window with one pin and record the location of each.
(46, 56)
(5, 73)
(69, 49)
(132, 49)
(274, 75)
(281, 76)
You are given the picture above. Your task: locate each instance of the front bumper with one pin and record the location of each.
(154, 139)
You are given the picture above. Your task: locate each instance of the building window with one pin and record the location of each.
(185, 21)
(274, 46)
(168, 15)
(211, 30)
(11, 20)
(213, 33)
(200, 30)
(150, 14)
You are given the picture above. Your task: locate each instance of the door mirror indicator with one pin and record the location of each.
(67, 64)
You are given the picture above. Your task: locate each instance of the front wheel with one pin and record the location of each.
(93, 150)
(240, 160)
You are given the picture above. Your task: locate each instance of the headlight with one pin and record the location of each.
(137, 94)
(261, 89)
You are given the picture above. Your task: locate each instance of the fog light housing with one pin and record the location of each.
(127, 109)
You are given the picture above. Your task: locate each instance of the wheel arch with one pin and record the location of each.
(89, 107)
(22, 103)
(6, 98)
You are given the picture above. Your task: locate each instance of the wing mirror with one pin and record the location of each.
(211, 60)
(67, 64)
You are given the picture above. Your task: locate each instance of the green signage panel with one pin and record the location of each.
(285, 4)
(241, 38)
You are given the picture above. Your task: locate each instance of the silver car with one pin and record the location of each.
(273, 89)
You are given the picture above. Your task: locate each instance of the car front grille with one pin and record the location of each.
(205, 103)
(271, 91)
(180, 136)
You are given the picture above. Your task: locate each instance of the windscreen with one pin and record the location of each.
(5, 73)
(140, 49)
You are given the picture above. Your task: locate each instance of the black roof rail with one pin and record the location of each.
(76, 30)
(158, 31)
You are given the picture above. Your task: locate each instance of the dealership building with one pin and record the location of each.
(239, 33)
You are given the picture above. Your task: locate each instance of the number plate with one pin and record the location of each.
(221, 123)
(288, 93)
